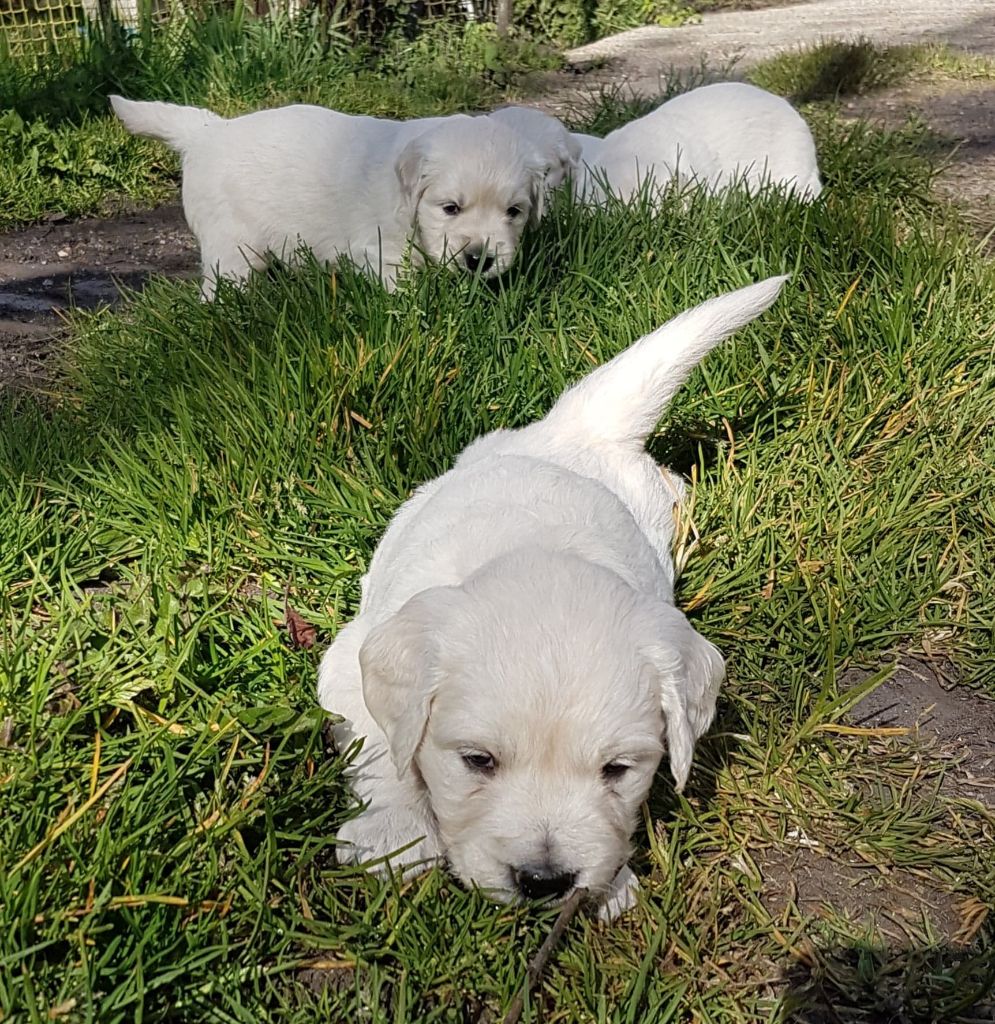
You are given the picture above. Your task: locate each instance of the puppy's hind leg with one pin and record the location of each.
(230, 264)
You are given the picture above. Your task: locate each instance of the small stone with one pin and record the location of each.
(63, 253)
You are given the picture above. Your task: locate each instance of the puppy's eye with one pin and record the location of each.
(614, 770)
(514, 211)
(478, 761)
(450, 209)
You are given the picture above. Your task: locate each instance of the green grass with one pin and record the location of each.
(61, 150)
(839, 67)
(169, 802)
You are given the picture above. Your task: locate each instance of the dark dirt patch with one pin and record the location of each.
(948, 722)
(51, 267)
(862, 985)
(912, 936)
(337, 977)
(895, 902)
(915, 956)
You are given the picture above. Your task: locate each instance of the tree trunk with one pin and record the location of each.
(504, 15)
(106, 16)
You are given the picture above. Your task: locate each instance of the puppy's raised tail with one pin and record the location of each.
(622, 401)
(169, 122)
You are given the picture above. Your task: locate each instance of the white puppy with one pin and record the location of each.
(517, 659)
(360, 187)
(549, 136)
(715, 136)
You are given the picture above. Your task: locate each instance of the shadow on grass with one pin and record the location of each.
(869, 983)
(60, 91)
(833, 69)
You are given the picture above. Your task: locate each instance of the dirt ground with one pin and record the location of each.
(49, 267)
(949, 728)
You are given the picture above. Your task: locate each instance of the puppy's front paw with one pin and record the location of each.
(381, 832)
(621, 895)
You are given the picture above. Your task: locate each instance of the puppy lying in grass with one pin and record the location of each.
(719, 135)
(716, 136)
(517, 659)
(458, 188)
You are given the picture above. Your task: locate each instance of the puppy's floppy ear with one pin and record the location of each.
(400, 667)
(689, 671)
(568, 153)
(537, 193)
(561, 155)
(408, 167)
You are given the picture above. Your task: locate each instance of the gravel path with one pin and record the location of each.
(642, 54)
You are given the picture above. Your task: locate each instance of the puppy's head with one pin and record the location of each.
(559, 149)
(533, 702)
(471, 186)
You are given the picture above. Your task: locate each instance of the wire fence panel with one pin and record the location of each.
(30, 26)
(27, 25)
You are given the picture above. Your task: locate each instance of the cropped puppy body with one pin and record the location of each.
(457, 188)
(714, 137)
(518, 667)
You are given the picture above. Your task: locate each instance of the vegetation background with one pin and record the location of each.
(187, 507)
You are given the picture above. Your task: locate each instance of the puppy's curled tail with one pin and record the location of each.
(168, 122)
(621, 402)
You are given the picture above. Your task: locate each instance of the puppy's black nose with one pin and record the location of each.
(473, 260)
(541, 883)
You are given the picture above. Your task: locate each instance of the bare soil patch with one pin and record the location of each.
(962, 115)
(896, 904)
(948, 722)
(51, 267)
(901, 918)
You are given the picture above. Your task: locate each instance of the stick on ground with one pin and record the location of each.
(539, 961)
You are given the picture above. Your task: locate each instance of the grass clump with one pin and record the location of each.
(833, 69)
(73, 169)
(838, 67)
(169, 800)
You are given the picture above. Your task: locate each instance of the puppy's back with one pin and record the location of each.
(751, 132)
(715, 134)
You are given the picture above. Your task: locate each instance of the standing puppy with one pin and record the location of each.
(517, 661)
(715, 136)
(344, 186)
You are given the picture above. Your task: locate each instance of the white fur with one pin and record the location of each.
(716, 136)
(549, 136)
(360, 187)
(521, 605)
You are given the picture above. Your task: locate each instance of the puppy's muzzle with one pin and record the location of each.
(477, 259)
(542, 882)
